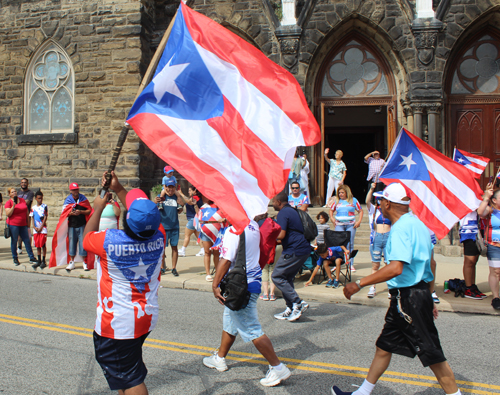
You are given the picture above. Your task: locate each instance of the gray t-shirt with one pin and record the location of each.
(26, 195)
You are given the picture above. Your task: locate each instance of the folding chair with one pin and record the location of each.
(337, 239)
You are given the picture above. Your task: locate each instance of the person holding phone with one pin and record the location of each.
(17, 213)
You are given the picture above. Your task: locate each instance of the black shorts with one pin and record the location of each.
(470, 248)
(121, 361)
(418, 338)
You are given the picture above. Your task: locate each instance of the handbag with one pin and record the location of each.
(234, 286)
(6, 231)
(482, 247)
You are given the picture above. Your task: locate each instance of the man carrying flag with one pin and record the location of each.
(409, 328)
(476, 164)
(223, 114)
(69, 232)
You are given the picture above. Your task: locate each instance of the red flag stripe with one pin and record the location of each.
(255, 156)
(160, 138)
(428, 217)
(272, 80)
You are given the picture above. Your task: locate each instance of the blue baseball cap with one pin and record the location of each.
(143, 214)
(171, 181)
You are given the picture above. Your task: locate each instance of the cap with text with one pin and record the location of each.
(395, 193)
(73, 186)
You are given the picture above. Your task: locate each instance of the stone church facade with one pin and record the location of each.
(70, 70)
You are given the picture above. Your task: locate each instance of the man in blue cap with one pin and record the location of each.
(128, 279)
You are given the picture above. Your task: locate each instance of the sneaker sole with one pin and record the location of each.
(295, 318)
(371, 296)
(474, 297)
(219, 369)
(281, 318)
(276, 382)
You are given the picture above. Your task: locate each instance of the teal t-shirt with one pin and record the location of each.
(410, 242)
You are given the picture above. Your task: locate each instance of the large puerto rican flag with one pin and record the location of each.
(224, 115)
(442, 192)
(475, 163)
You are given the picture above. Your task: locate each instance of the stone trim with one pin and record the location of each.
(493, 99)
(47, 138)
(365, 101)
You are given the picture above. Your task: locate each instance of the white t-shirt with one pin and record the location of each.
(252, 247)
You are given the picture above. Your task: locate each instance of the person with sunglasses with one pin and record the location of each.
(296, 199)
(409, 328)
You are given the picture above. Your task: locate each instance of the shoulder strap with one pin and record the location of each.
(241, 258)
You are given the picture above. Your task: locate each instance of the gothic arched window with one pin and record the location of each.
(354, 71)
(49, 92)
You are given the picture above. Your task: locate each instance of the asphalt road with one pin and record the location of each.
(46, 345)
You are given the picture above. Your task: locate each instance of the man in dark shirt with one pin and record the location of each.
(77, 219)
(296, 250)
(28, 196)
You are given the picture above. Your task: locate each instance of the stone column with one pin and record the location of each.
(288, 7)
(424, 9)
(418, 111)
(432, 123)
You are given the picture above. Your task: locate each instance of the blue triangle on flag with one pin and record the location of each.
(406, 161)
(461, 158)
(182, 86)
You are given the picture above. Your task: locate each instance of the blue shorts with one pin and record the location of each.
(204, 237)
(121, 361)
(378, 246)
(190, 225)
(173, 237)
(244, 321)
(493, 255)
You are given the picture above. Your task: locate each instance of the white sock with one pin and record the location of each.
(278, 367)
(202, 249)
(365, 389)
(456, 393)
(182, 249)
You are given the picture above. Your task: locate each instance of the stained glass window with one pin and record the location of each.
(354, 71)
(49, 95)
(478, 71)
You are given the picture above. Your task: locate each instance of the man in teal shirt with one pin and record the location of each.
(409, 328)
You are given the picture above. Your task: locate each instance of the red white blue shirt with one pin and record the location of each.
(346, 212)
(493, 235)
(333, 254)
(298, 201)
(468, 227)
(128, 278)
(39, 213)
(252, 246)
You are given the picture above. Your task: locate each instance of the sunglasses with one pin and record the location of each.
(295, 188)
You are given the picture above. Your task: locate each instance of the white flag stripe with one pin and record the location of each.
(474, 169)
(439, 210)
(452, 183)
(478, 161)
(208, 146)
(260, 119)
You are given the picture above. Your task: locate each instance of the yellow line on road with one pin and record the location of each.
(174, 346)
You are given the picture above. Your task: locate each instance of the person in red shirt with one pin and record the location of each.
(17, 213)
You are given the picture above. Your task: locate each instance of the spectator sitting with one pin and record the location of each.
(327, 256)
(296, 199)
(169, 176)
(323, 218)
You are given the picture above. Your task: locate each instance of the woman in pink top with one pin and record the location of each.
(17, 220)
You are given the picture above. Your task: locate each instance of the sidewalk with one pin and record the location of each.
(192, 276)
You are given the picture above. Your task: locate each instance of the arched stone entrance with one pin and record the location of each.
(355, 102)
(473, 101)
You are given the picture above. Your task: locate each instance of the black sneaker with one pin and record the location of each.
(34, 260)
(38, 263)
(472, 294)
(336, 391)
(43, 265)
(174, 272)
(496, 303)
(474, 286)
(16, 261)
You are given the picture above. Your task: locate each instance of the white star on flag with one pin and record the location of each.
(407, 161)
(460, 160)
(139, 270)
(165, 81)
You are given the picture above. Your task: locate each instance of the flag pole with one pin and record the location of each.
(145, 81)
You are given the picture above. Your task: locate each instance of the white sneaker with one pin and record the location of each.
(70, 266)
(209, 278)
(303, 306)
(19, 251)
(182, 253)
(85, 267)
(372, 292)
(284, 315)
(201, 253)
(296, 313)
(215, 362)
(353, 269)
(275, 376)
(388, 295)
(435, 297)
